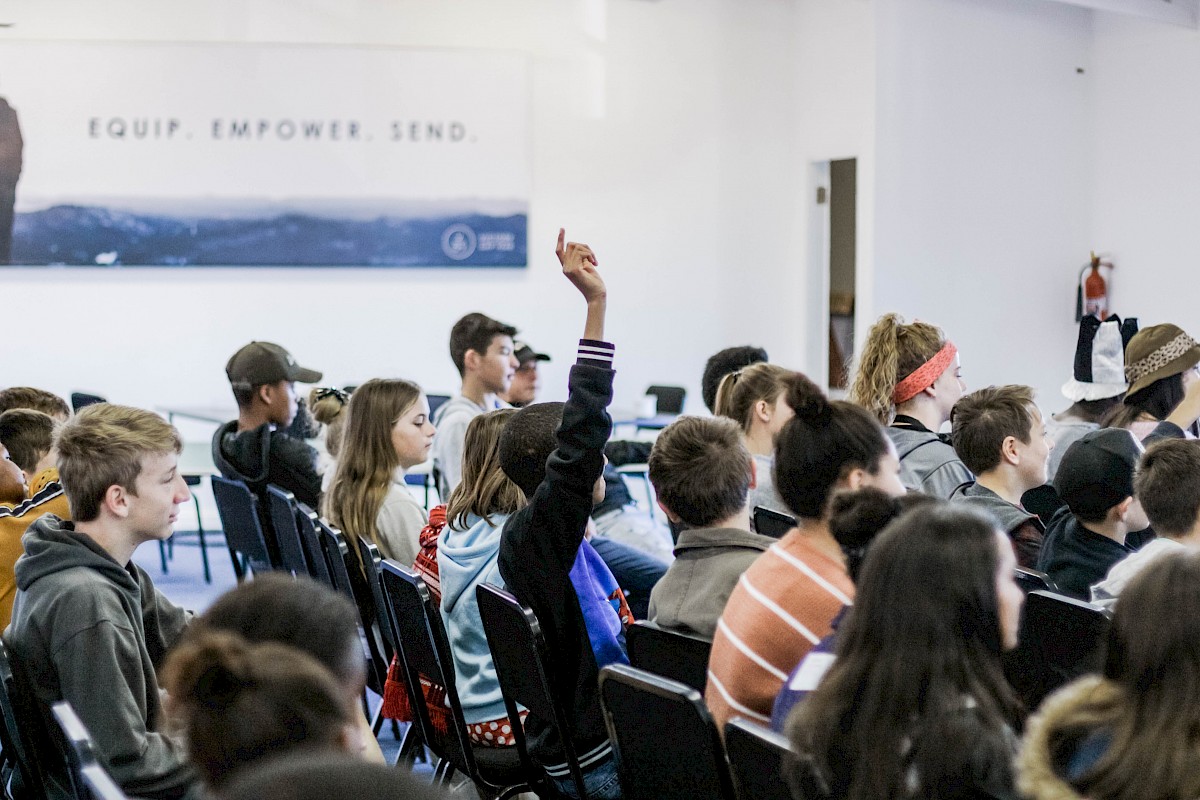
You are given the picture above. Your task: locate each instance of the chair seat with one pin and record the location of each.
(499, 765)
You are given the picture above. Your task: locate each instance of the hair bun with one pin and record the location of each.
(218, 669)
(808, 401)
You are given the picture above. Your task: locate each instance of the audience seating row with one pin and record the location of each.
(662, 690)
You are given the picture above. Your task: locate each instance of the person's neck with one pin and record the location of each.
(926, 413)
(1189, 539)
(111, 538)
(476, 392)
(740, 521)
(760, 442)
(251, 418)
(1004, 483)
(1109, 529)
(817, 533)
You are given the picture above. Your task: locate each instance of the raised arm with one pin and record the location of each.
(579, 265)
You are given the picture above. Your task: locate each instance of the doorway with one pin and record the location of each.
(833, 224)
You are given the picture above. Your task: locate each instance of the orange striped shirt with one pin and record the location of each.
(781, 607)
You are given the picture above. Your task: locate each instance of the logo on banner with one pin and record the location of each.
(459, 241)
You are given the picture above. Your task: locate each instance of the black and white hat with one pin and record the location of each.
(1100, 359)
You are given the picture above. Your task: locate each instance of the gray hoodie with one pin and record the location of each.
(87, 630)
(928, 464)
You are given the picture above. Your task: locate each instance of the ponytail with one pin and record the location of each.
(892, 352)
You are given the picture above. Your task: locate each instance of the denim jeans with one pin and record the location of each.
(600, 781)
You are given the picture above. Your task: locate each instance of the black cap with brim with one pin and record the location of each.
(1096, 472)
(260, 363)
(524, 353)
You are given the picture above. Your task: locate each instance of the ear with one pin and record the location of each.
(1121, 509)
(671, 515)
(762, 410)
(265, 393)
(116, 501)
(1009, 452)
(753, 474)
(351, 739)
(471, 360)
(854, 478)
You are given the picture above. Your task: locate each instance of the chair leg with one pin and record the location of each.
(200, 536)
(162, 556)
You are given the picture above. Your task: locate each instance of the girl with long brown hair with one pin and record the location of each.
(387, 432)
(909, 378)
(1130, 733)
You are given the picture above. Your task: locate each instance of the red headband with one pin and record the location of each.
(923, 376)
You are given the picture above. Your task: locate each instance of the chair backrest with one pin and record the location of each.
(772, 523)
(688, 763)
(436, 401)
(1030, 580)
(523, 667)
(425, 650)
(283, 510)
(238, 509)
(678, 656)
(756, 756)
(23, 735)
(100, 784)
(670, 398)
(368, 556)
(81, 400)
(75, 744)
(348, 579)
(1063, 638)
(310, 540)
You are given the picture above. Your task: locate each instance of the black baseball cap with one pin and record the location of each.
(1096, 472)
(260, 363)
(524, 353)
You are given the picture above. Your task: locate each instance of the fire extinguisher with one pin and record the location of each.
(1091, 297)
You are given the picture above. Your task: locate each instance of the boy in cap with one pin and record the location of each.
(1167, 483)
(524, 386)
(251, 448)
(1095, 480)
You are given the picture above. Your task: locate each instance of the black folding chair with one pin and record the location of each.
(497, 772)
(1030, 580)
(75, 746)
(678, 656)
(670, 398)
(348, 579)
(23, 736)
(238, 509)
(282, 505)
(756, 757)
(1061, 638)
(523, 667)
(688, 763)
(772, 523)
(310, 541)
(81, 400)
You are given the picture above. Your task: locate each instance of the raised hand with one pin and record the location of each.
(579, 265)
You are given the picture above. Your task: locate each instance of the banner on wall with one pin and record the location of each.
(230, 155)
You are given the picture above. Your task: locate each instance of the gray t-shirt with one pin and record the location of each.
(764, 493)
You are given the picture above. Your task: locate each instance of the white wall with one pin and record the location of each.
(1147, 177)
(665, 134)
(983, 186)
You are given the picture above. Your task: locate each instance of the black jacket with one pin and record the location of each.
(538, 547)
(263, 456)
(1075, 557)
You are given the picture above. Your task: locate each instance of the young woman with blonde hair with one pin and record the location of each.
(387, 432)
(909, 378)
(328, 407)
(755, 398)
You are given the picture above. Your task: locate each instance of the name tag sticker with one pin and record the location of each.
(812, 669)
